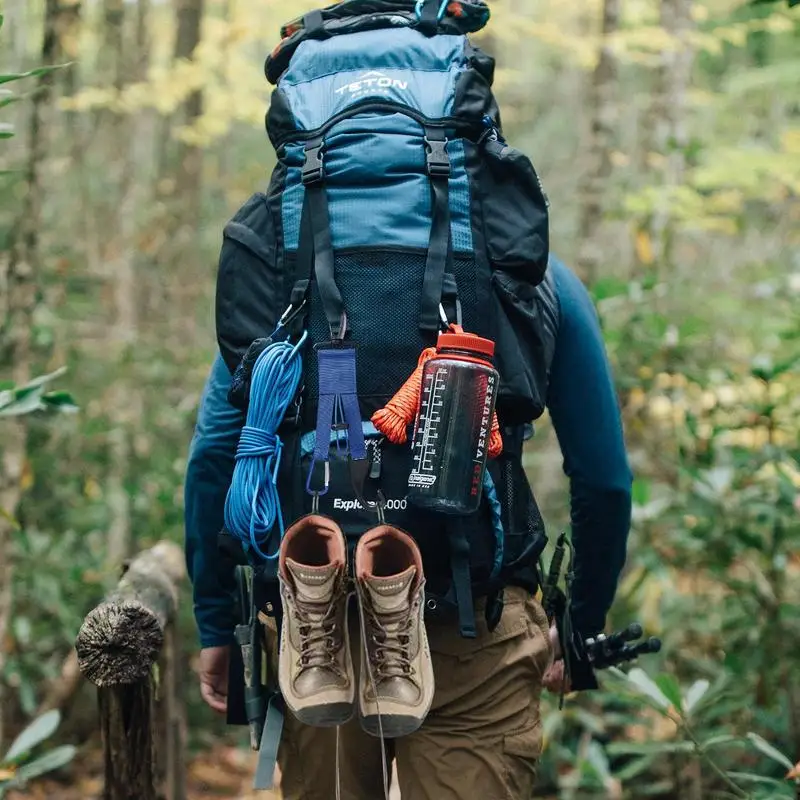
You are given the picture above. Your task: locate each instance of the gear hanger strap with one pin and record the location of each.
(338, 411)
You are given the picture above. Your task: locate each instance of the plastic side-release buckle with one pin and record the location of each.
(437, 158)
(313, 170)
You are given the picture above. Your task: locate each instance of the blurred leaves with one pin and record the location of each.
(19, 765)
(768, 750)
(17, 401)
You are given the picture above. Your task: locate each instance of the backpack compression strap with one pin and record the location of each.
(315, 253)
(440, 245)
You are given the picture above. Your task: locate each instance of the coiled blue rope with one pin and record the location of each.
(252, 506)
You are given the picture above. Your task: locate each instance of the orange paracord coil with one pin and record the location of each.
(393, 420)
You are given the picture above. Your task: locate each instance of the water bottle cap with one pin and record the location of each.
(466, 341)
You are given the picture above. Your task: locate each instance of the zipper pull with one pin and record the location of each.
(375, 469)
(491, 132)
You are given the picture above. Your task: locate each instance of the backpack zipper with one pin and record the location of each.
(372, 105)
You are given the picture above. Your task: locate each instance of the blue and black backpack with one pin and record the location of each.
(395, 204)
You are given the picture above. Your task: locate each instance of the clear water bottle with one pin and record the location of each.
(453, 425)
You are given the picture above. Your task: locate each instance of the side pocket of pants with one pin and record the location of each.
(539, 625)
(521, 751)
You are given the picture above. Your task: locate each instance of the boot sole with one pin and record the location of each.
(394, 726)
(331, 715)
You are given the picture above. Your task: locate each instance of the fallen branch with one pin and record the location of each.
(62, 689)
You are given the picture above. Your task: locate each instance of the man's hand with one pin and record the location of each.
(554, 677)
(214, 677)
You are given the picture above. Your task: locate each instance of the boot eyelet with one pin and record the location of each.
(431, 604)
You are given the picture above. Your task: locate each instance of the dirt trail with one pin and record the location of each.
(223, 773)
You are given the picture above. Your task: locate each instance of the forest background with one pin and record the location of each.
(667, 136)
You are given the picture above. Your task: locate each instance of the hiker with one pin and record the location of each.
(420, 325)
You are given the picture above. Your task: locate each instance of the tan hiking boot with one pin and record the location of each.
(315, 668)
(396, 680)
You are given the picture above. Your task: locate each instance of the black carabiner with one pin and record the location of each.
(443, 315)
(290, 314)
(359, 472)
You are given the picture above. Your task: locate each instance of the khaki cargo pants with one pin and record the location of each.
(481, 740)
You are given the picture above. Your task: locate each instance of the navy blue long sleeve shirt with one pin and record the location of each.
(583, 406)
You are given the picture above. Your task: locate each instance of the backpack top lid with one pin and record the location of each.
(457, 17)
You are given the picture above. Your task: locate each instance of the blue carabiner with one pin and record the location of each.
(439, 16)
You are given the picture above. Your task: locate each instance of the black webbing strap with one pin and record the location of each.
(313, 23)
(429, 17)
(440, 248)
(462, 578)
(315, 249)
(450, 302)
(270, 742)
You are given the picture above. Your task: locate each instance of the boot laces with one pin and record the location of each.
(320, 634)
(391, 643)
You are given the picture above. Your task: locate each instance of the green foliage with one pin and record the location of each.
(713, 567)
(16, 401)
(7, 97)
(20, 765)
(697, 338)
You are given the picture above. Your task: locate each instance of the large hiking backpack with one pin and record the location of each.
(394, 203)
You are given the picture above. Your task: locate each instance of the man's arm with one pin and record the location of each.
(583, 406)
(208, 476)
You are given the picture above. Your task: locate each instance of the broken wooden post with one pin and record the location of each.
(118, 647)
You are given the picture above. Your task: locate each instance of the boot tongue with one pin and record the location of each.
(313, 584)
(390, 594)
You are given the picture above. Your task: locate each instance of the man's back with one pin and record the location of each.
(582, 404)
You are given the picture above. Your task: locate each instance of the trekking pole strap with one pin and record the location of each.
(270, 742)
(462, 578)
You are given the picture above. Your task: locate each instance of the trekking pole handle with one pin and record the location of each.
(608, 651)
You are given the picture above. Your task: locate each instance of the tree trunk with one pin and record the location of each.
(126, 731)
(179, 182)
(665, 131)
(15, 28)
(112, 51)
(171, 722)
(189, 157)
(182, 192)
(21, 286)
(603, 114)
(124, 397)
(68, 45)
(674, 74)
(118, 646)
